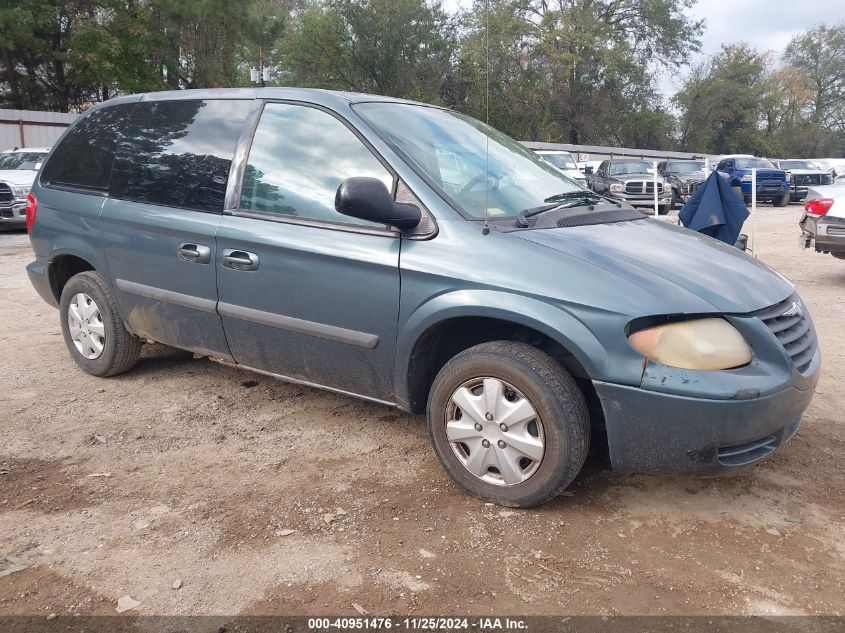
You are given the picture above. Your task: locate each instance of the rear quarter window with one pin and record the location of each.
(178, 153)
(84, 157)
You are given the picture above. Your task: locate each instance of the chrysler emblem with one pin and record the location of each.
(794, 310)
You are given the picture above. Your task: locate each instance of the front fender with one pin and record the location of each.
(549, 319)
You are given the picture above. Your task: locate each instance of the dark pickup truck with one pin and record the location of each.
(683, 176)
(631, 180)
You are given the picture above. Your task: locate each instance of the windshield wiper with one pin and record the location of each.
(562, 201)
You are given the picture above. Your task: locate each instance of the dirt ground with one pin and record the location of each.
(186, 470)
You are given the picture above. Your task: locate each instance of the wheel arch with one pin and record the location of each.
(64, 266)
(451, 323)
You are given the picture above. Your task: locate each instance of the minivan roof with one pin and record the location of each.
(316, 95)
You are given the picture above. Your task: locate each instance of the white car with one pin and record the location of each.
(564, 162)
(18, 168)
(823, 222)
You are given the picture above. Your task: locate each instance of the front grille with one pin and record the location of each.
(770, 184)
(748, 453)
(812, 179)
(790, 322)
(5, 192)
(642, 186)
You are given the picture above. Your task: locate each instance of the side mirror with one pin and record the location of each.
(588, 169)
(368, 199)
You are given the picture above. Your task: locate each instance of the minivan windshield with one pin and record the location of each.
(685, 167)
(622, 167)
(21, 160)
(450, 149)
(753, 163)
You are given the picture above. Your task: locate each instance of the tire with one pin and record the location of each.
(561, 423)
(119, 349)
(782, 201)
(673, 204)
(663, 209)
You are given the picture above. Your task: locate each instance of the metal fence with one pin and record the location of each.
(27, 128)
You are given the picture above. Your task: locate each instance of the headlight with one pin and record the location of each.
(746, 178)
(20, 191)
(703, 344)
(617, 187)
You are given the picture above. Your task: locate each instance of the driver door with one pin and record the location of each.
(304, 292)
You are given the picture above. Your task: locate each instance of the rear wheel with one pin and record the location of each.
(92, 328)
(508, 423)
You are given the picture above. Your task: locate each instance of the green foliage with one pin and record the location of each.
(397, 48)
(742, 101)
(580, 71)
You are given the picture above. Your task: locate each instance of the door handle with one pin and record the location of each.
(194, 253)
(240, 260)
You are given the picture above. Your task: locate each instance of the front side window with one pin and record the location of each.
(85, 155)
(452, 151)
(299, 157)
(178, 153)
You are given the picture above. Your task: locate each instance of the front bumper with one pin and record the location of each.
(798, 192)
(13, 214)
(766, 192)
(650, 431)
(644, 200)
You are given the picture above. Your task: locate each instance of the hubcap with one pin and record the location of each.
(87, 330)
(495, 431)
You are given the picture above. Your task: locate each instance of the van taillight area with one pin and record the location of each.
(31, 211)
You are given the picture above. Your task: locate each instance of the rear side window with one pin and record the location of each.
(85, 155)
(178, 153)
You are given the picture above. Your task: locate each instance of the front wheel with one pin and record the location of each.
(508, 423)
(93, 329)
(782, 201)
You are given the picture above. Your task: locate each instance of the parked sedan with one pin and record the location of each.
(633, 181)
(823, 222)
(17, 173)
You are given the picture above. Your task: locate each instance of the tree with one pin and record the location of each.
(818, 56)
(390, 47)
(574, 70)
(721, 104)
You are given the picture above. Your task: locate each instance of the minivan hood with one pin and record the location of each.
(688, 271)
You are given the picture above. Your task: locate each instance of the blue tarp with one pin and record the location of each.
(715, 210)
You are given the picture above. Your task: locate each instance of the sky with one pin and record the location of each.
(767, 25)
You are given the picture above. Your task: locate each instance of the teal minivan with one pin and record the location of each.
(415, 257)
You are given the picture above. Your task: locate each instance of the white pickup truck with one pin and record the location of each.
(18, 168)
